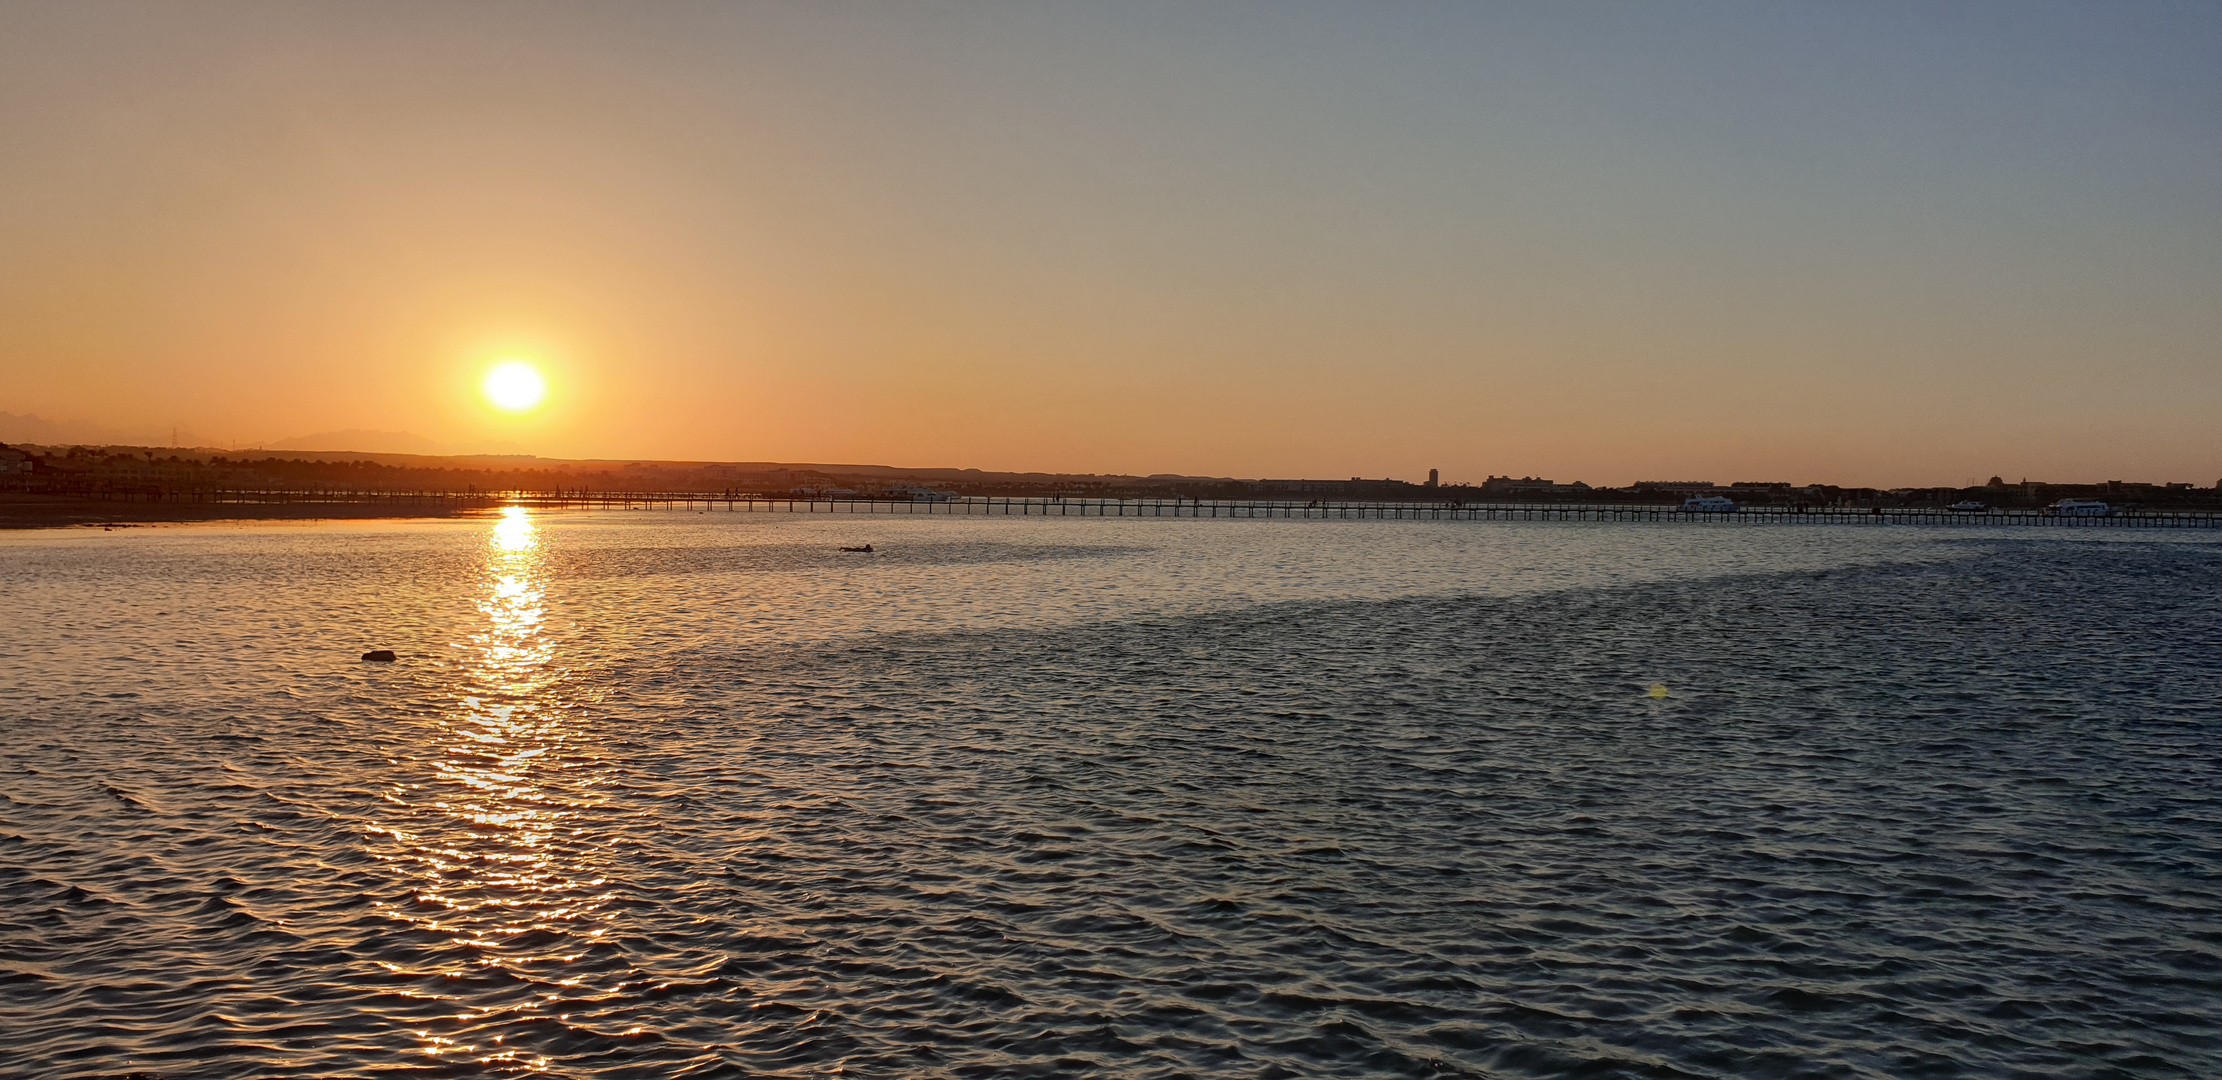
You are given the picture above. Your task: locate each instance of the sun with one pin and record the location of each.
(514, 386)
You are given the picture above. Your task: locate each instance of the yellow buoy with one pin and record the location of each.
(1658, 690)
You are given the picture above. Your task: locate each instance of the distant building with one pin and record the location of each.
(1526, 485)
(1529, 485)
(1332, 487)
(1432, 479)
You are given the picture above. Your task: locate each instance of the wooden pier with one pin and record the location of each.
(449, 502)
(1350, 511)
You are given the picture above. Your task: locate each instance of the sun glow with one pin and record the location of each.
(514, 386)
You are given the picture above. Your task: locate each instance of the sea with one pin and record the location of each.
(674, 794)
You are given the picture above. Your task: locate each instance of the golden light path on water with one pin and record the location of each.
(504, 865)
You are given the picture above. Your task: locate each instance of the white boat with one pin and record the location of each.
(1968, 507)
(2079, 508)
(921, 494)
(1709, 504)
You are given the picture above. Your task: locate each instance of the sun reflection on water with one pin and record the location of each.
(507, 892)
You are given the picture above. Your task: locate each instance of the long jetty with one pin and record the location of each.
(1357, 511)
(1233, 509)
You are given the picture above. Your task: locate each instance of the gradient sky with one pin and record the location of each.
(1883, 243)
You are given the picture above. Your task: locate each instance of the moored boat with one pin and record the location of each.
(2079, 508)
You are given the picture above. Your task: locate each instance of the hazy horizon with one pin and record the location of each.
(1891, 245)
(393, 443)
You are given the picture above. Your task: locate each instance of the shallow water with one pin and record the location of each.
(672, 794)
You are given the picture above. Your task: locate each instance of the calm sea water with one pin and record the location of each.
(699, 795)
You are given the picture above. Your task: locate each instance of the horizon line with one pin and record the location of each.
(833, 468)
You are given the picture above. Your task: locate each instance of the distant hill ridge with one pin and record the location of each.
(582, 468)
(144, 469)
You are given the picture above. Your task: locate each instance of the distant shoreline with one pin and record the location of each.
(43, 510)
(37, 511)
(129, 475)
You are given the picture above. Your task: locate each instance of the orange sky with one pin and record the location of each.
(1727, 242)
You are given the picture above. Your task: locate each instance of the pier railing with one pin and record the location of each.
(1405, 511)
(1232, 509)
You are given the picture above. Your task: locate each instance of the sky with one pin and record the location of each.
(1876, 243)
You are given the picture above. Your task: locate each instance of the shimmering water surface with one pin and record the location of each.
(691, 795)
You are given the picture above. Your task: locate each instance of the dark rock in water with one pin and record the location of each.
(380, 656)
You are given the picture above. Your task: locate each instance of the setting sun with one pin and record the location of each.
(514, 386)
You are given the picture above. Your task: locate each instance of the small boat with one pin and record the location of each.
(2079, 508)
(1709, 504)
(866, 549)
(1968, 507)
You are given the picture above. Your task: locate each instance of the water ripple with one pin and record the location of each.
(1911, 806)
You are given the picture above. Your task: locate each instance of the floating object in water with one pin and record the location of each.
(866, 549)
(1658, 690)
(380, 656)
